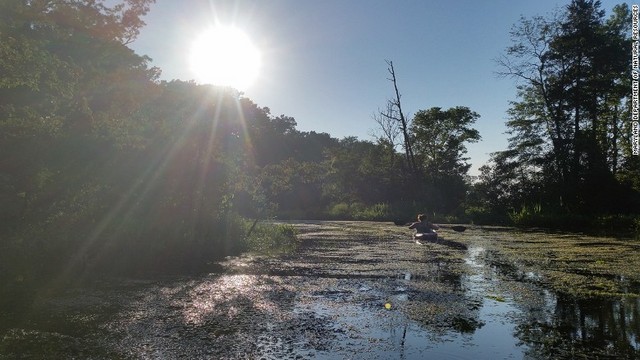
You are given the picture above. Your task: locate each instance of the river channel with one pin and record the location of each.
(357, 290)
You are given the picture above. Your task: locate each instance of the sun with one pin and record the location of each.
(225, 56)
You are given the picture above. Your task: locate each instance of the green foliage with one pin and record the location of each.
(439, 139)
(360, 211)
(361, 171)
(636, 226)
(296, 187)
(628, 225)
(340, 211)
(439, 142)
(529, 215)
(616, 225)
(375, 212)
(269, 238)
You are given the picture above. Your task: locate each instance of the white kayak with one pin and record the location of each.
(432, 236)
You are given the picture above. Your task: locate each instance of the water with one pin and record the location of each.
(385, 334)
(332, 301)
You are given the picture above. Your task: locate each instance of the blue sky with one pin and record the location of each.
(323, 62)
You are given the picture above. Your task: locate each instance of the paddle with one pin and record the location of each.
(457, 228)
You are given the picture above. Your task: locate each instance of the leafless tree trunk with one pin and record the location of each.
(389, 128)
(393, 121)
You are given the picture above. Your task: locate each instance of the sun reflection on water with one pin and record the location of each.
(226, 295)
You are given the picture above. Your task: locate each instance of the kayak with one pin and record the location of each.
(426, 236)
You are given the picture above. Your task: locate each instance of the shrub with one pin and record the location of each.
(340, 211)
(360, 211)
(528, 216)
(269, 238)
(618, 224)
(612, 224)
(483, 216)
(377, 212)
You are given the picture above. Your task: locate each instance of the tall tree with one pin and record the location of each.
(66, 77)
(439, 138)
(572, 73)
(393, 120)
(362, 171)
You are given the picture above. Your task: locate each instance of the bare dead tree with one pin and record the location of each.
(389, 128)
(395, 115)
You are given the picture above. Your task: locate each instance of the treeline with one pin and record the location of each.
(105, 168)
(569, 161)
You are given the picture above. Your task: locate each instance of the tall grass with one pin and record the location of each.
(270, 238)
(528, 215)
(360, 211)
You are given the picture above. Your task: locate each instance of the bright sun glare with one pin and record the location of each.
(225, 56)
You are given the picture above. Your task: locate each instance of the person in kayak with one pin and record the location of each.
(425, 230)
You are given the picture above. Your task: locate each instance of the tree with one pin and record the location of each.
(439, 139)
(362, 172)
(296, 187)
(434, 149)
(503, 186)
(573, 88)
(66, 79)
(393, 120)
(57, 57)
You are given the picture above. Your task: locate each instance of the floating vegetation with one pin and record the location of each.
(358, 289)
(584, 266)
(496, 298)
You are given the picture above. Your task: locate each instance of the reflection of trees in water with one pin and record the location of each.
(439, 302)
(594, 328)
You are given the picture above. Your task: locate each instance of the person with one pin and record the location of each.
(425, 230)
